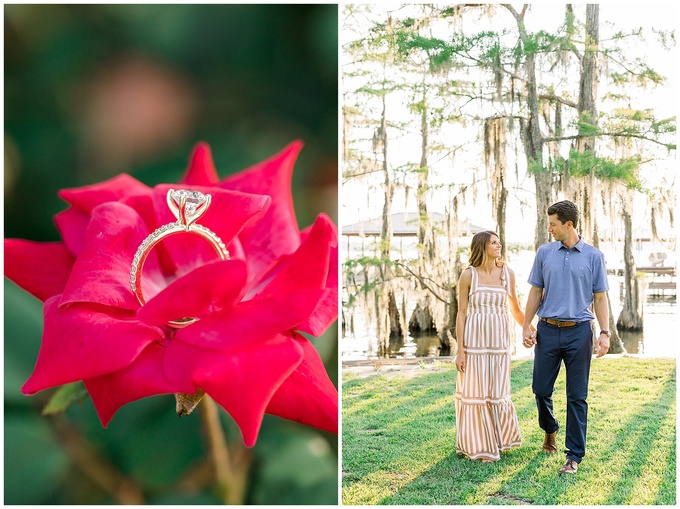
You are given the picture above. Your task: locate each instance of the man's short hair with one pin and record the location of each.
(565, 211)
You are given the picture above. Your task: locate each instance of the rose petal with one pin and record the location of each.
(205, 290)
(327, 311)
(83, 341)
(201, 171)
(143, 378)
(307, 396)
(236, 250)
(286, 301)
(228, 213)
(144, 206)
(277, 233)
(41, 269)
(86, 198)
(307, 267)
(252, 322)
(73, 222)
(242, 382)
(102, 272)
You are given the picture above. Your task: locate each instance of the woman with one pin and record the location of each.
(486, 421)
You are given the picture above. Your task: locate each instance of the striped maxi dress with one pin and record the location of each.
(486, 421)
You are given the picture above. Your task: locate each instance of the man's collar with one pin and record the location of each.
(578, 246)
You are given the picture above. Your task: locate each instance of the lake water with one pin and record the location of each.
(656, 340)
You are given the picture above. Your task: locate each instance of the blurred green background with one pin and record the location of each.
(94, 91)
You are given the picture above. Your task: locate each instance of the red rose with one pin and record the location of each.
(245, 350)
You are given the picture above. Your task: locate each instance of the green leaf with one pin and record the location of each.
(64, 396)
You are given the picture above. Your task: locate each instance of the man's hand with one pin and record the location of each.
(602, 345)
(529, 334)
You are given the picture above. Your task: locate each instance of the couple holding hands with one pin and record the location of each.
(568, 283)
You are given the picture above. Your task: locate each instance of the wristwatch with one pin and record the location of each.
(608, 333)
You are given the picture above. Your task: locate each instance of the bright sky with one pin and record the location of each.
(358, 202)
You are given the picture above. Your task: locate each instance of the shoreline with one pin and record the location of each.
(413, 366)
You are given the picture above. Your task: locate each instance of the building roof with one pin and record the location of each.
(404, 224)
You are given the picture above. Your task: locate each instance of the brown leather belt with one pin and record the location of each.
(559, 323)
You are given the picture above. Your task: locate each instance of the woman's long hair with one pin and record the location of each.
(478, 245)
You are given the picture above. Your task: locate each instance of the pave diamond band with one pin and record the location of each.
(160, 234)
(187, 207)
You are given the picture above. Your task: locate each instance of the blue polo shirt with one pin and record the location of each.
(569, 278)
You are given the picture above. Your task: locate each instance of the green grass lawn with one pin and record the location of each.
(399, 441)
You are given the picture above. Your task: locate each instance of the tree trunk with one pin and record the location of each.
(495, 160)
(588, 83)
(421, 320)
(587, 111)
(447, 337)
(386, 232)
(383, 294)
(424, 228)
(501, 221)
(615, 343)
(395, 323)
(531, 135)
(631, 317)
(543, 184)
(382, 301)
(543, 177)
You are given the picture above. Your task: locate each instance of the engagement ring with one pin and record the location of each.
(187, 207)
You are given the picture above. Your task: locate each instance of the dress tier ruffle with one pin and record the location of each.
(486, 421)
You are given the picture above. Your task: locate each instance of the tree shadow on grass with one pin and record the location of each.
(473, 482)
(415, 391)
(636, 437)
(528, 476)
(376, 422)
(385, 431)
(646, 424)
(669, 478)
(604, 461)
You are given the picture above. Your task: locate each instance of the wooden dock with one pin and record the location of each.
(661, 282)
(656, 271)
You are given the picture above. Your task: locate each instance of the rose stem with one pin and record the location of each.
(230, 488)
(95, 466)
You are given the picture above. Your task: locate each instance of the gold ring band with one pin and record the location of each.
(187, 207)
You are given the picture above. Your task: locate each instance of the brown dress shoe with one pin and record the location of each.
(550, 443)
(570, 467)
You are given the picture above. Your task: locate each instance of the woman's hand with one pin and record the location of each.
(461, 361)
(529, 336)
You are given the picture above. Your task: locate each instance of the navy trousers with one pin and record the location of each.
(574, 346)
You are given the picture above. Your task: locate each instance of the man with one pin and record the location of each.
(567, 278)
